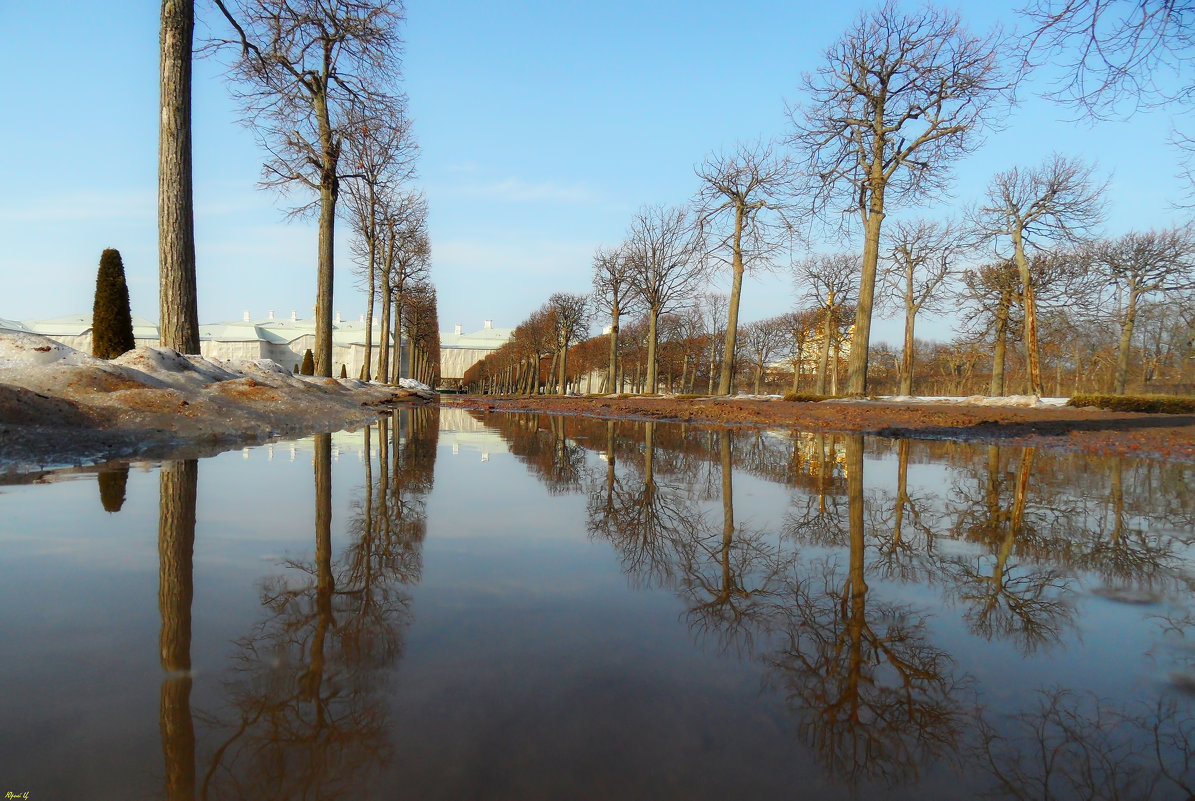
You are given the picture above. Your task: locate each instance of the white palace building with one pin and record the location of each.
(283, 340)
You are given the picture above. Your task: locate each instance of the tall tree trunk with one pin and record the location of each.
(177, 305)
(653, 317)
(1029, 302)
(562, 381)
(736, 288)
(328, 192)
(906, 356)
(823, 359)
(996, 389)
(857, 367)
(383, 373)
(1126, 342)
(612, 368)
(372, 245)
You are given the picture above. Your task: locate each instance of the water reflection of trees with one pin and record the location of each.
(1029, 530)
(1077, 745)
(305, 711)
(177, 484)
(874, 696)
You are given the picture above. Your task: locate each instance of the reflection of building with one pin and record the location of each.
(460, 351)
(462, 432)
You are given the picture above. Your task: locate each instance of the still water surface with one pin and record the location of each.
(531, 606)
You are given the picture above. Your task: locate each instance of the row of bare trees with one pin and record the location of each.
(318, 83)
(902, 97)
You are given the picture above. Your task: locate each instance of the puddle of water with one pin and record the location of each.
(536, 606)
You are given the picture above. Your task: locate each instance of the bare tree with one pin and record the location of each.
(829, 280)
(763, 340)
(1138, 265)
(919, 263)
(801, 327)
(407, 262)
(1058, 201)
(987, 299)
(662, 249)
(901, 97)
(384, 154)
(570, 314)
(714, 308)
(741, 212)
(178, 308)
(301, 66)
(1117, 51)
(612, 292)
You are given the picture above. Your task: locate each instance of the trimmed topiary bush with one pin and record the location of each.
(112, 487)
(111, 320)
(308, 367)
(1149, 404)
(344, 370)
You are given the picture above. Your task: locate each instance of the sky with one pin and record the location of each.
(543, 127)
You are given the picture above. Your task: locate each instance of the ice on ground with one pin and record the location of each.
(1028, 401)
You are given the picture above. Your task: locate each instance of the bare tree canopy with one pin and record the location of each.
(741, 212)
(1060, 201)
(1117, 52)
(1137, 265)
(901, 97)
(662, 247)
(305, 71)
(570, 315)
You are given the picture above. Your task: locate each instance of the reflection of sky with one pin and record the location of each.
(531, 654)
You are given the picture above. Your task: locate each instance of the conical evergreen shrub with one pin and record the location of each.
(308, 367)
(112, 487)
(344, 370)
(111, 320)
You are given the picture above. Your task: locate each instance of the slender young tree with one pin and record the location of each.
(383, 152)
(920, 256)
(178, 308)
(301, 66)
(408, 259)
(902, 96)
(829, 280)
(662, 247)
(1056, 202)
(612, 292)
(741, 212)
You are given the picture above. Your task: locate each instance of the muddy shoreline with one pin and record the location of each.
(1095, 431)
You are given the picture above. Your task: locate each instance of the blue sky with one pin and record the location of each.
(543, 127)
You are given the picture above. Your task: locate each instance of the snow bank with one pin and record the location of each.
(1026, 401)
(19, 350)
